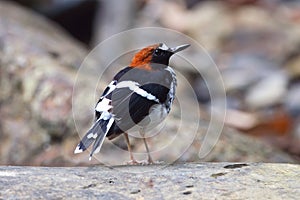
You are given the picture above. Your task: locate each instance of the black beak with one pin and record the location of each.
(179, 48)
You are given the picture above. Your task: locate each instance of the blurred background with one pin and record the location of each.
(255, 44)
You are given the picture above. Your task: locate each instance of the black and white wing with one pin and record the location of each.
(125, 102)
(102, 124)
(137, 95)
(103, 120)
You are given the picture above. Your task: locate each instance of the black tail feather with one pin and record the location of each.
(96, 134)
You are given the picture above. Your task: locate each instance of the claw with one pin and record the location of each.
(132, 162)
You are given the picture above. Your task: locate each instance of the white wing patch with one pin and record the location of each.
(111, 87)
(103, 105)
(105, 115)
(130, 84)
(135, 87)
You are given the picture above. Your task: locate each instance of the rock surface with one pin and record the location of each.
(38, 67)
(182, 181)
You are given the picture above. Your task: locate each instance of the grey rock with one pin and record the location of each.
(181, 181)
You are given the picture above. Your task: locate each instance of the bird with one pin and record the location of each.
(139, 97)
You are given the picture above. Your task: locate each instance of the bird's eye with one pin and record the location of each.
(158, 52)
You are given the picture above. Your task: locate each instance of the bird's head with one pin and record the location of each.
(157, 53)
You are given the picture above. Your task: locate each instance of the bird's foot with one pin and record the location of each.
(143, 162)
(133, 162)
(149, 161)
(140, 162)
